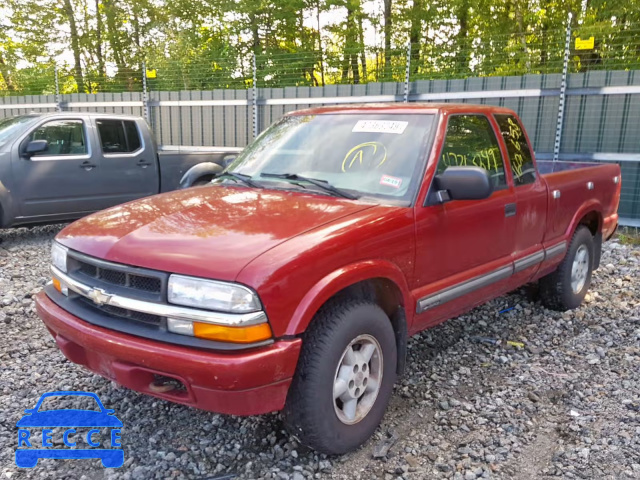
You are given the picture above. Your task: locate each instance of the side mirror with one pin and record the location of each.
(36, 146)
(463, 183)
(228, 160)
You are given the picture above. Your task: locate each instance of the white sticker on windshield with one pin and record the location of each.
(380, 126)
(390, 181)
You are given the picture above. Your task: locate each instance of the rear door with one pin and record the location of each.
(130, 167)
(66, 179)
(464, 246)
(531, 199)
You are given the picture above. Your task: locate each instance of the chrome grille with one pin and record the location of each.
(120, 278)
(117, 279)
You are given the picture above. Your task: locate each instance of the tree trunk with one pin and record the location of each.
(387, 38)
(320, 42)
(6, 74)
(414, 35)
(99, 54)
(464, 50)
(75, 45)
(522, 33)
(363, 56)
(112, 33)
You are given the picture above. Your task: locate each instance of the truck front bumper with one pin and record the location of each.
(248, 382)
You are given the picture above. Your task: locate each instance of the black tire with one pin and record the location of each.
(556, 291)
(202, 181)
(309, 412)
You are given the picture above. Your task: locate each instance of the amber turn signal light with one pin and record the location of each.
(57, 285)
(223, 333)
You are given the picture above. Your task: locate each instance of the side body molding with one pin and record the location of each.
(460, 289)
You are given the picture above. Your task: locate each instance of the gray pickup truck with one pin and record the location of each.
(56, 167)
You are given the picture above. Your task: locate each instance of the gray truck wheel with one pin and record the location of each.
(344, 378)
(565, 288)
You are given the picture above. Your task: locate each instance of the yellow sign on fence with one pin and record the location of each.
(151, 73)
(586, 44)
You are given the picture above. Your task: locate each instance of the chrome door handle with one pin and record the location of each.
(88, 166)
(510, 209)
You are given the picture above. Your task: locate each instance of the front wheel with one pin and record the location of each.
(344, 378)
(566, 287)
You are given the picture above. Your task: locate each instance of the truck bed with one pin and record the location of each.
(175, 161)
(571, 181)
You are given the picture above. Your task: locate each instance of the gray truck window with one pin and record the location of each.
(471, 141)
(520, 158)
(65, 137)
(118, 136)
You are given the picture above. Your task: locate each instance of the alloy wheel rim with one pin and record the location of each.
(358, 379)
(579, 269)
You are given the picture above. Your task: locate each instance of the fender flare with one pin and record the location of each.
(198, 171)
(592, 205)
(342, 278)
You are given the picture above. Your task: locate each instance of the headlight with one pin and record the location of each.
(212, 295)
(59, 256)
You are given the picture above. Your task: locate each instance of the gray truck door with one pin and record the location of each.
(66, 178)
(130, 167)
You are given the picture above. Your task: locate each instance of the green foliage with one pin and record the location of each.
(100, 45)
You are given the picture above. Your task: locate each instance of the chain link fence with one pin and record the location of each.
(576, 89)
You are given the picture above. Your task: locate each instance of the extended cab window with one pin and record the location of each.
(118, 136)
(471, 141)
(64, 137)
(520, 157)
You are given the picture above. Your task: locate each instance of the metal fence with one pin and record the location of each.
(575, 104)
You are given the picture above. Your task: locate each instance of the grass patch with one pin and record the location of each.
(629, 236)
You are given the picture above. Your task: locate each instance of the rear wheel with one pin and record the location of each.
(202, 181)
(344, 378)
(566, 287)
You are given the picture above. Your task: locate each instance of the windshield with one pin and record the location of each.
(13, 125)
(367, 155)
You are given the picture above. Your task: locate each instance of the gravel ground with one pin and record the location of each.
(566, 405)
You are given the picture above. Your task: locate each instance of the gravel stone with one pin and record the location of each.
(567, 405)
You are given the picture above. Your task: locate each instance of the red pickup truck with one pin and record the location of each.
(293, 280)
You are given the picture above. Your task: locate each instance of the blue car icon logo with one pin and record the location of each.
(75, 426)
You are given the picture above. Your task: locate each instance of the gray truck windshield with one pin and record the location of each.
(367, 155)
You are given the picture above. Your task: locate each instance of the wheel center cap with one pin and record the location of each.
(359, 378)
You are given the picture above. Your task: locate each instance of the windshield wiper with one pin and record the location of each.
(246, 179)
(323, 184)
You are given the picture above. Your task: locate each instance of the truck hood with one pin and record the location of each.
(210, 231)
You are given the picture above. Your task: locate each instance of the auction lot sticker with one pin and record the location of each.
(49, 430)
(380, 126)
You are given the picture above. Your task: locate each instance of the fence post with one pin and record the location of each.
(407, 72)
(57, 96)
(254, 98)
(145, 100)
(563, 88)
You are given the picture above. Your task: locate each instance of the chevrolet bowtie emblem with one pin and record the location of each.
(99, 296)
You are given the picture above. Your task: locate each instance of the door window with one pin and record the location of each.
(64, 137)
(520, 157)
(471, 141)
(118, 136)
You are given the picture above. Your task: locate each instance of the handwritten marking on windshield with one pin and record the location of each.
(364, 151)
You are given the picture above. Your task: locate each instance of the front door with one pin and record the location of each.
(464, 246)
(130, 167)
(63, 180)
